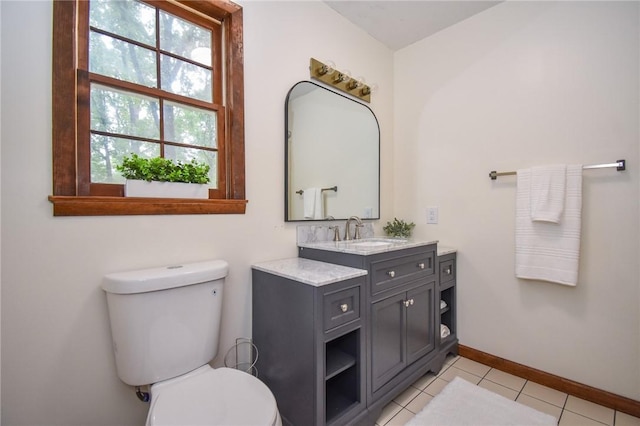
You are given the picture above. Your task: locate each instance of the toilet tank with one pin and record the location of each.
(165, 321)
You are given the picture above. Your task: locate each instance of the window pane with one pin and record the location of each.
(183, 78)
(188, 125)
(124, 113)
(185, 39)
(107, 152)
(177, 153)
(124, 61)
(130, 19)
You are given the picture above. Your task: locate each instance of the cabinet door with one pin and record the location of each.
(388, 340)
(420, 322)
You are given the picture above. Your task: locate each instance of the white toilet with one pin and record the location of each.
(165, 324)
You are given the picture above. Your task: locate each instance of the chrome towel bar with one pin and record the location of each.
(620, 165)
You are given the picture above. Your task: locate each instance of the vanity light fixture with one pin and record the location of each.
(342, 80)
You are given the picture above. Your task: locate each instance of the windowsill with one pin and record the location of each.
(117, 206)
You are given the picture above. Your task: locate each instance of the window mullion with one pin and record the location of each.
(216, 63)
(162, 132)
(153, 92)
(120, 38)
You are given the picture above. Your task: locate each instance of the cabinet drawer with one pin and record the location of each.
(341, 307)
(387, 274)
(447, 271)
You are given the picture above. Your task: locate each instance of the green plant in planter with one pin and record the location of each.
(398, 228)
(161, 169)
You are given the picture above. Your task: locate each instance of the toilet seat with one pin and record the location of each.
(207, 396)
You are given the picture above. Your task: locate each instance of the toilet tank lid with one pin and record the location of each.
(162, 278)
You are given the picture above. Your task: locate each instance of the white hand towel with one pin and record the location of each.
(544, 250)
(313, 203)
(318, 211)
(547, 193)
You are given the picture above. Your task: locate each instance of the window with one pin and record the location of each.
(150, 78)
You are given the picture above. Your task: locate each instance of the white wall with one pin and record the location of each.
(57, 362)
(519, 85)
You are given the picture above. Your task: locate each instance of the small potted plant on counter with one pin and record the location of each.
(398, 228)
(163, 178)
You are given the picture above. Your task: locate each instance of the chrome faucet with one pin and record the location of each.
(347, 235)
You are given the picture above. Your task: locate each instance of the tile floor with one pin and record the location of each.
(568, 409)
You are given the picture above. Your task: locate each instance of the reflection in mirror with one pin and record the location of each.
(332, 156)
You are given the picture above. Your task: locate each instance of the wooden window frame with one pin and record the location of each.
(67, 198)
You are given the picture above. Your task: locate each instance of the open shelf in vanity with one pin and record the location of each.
(448, 307)
(342, 378)
(341, 354)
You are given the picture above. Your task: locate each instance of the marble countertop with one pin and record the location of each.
(366, 246)
(442, 250)
(308, 271)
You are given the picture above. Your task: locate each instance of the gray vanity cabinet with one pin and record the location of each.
(311, 352)
(400, 320)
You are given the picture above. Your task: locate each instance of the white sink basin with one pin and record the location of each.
(366, 246)
(371, 244)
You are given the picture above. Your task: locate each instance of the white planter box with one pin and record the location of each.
(142, 188)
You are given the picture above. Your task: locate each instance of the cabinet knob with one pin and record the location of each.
(344, 307)
(411, 301)
(406, 303)
(448, 270)
(421, 265)
(391, 274)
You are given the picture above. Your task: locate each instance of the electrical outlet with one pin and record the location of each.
(432, 215)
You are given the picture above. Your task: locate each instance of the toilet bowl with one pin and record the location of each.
(208, 396)
(165, 325)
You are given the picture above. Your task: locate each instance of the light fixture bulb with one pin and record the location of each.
(356, 83)
(327, 69)
(367, 90)
(342, 76)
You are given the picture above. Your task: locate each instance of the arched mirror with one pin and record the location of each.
(332, 156)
